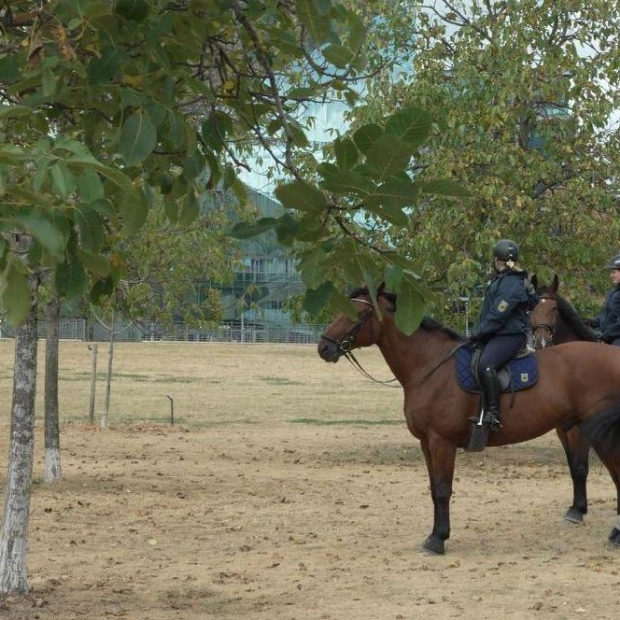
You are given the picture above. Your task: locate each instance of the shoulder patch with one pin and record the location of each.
(502, 306)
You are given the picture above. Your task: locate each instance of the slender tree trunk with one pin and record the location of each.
(93, 381)
(52, 470)
(14, 539)
(108, 384)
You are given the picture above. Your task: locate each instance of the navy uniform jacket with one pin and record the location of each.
(508, 299)
(608, 319)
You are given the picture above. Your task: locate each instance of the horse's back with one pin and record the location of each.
(594, 352)
(582, 368)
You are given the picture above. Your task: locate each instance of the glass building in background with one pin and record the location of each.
(256, 303)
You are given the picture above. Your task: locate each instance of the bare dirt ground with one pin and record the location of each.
(290, 489)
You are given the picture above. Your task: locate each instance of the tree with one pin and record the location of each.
(524, 94)
(107, 108)
(14, 539)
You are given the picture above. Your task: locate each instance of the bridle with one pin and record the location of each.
(550, 329)
(345, 344)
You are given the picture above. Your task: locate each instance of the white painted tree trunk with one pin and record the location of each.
(14, 538)
(52, 469)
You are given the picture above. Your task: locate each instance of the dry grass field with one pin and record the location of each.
(289, 489)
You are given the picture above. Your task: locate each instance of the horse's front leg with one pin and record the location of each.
(440, 456)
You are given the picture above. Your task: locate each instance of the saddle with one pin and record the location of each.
(520, 373)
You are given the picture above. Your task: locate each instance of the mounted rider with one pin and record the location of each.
(607, 322)
(503, 324)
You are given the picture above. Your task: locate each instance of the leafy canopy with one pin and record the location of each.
(109, 108)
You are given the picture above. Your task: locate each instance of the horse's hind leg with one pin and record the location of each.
(440, 456)
(577, 449)
(614, 470)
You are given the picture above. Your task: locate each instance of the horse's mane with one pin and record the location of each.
(570, 315)
(427, 323)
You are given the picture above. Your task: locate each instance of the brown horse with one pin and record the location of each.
(555, 321)
(579, 384)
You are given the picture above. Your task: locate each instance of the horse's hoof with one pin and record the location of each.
(574, 516)
(434, 545)
(614, 538)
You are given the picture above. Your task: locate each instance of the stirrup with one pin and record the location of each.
(492, 421)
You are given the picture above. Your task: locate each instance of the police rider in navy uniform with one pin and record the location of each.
(503, 324)
(607, 322)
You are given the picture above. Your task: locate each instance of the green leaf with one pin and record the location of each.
(90, 186)
(132, 10)
(63, 180)
(245, 230)
(189, 208)
(444, 187)
(393, 276)
(347, 181)
(410, 310)
(338, 55)
(15, 293)
(315, 300)
(287, 228)
(9, 68)
(134, 215)
(118, 178)
(395, 193)
(90, 227)
(95, 264)
(102, 288)
(317, 24)
(14, 111)
(48, 82)
(102, 206)
(174, 131)
(215, 129)
(171, 208)
(71, 279)
(11, 154)
(45, 231)
(412, 125)
(314, 268)
(366, 136)
(104, 68)
(388, 156)
(301, 196)
(347, 154)
(138, 139)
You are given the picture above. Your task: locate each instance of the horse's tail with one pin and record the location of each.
(603, 431)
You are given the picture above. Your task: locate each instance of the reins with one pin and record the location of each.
(444, 359)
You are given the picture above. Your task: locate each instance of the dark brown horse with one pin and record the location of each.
(555, 321)
(579, 384)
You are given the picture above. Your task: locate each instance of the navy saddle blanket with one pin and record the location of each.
(519, 374)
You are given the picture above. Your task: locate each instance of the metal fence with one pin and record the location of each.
(81, 329)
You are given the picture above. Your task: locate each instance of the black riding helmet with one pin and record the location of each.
(506, 249)
(614, 263)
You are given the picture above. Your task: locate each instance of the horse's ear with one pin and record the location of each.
(534, 281)
(555, 284)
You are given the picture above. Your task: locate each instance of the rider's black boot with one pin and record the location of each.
(491, 389)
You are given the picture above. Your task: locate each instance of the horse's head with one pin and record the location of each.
(544, 316)
(344, 334)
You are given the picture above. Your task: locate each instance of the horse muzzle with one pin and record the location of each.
(329, 350)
